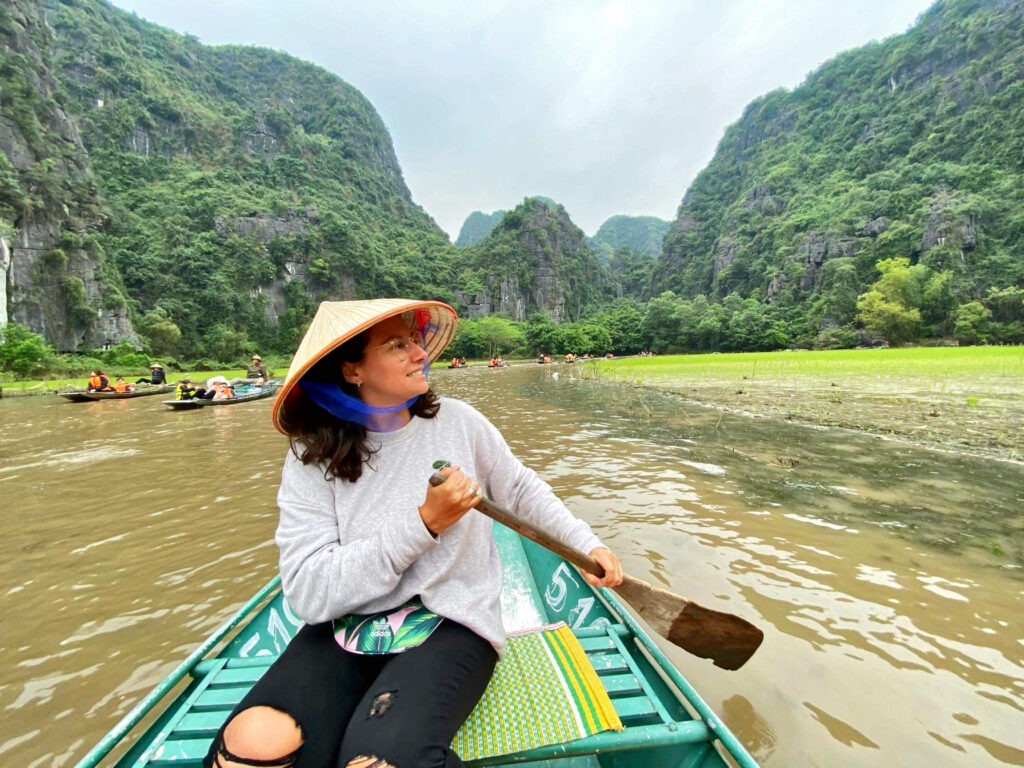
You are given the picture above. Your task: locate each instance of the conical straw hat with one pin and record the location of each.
(335, 322)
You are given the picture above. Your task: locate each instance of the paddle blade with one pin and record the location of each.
(727, 640)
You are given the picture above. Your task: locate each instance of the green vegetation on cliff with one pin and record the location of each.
(535, 260)
(906, 149)
(243, 185)
(640, 234)
(210, 197)
(477, 226)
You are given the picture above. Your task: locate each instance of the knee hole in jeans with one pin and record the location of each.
(260, 736)
(367, 762)
(382, 703)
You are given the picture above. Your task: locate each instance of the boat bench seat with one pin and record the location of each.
(219, 684)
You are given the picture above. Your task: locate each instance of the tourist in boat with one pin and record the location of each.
(363, 533)
(98, 382)
(184, 390)
(209, 392)
(122, 386)
(223, 390)
(156, 376)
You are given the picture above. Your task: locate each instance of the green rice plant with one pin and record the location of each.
(937, 368)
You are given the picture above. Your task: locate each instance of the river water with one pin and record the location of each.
(886, 578)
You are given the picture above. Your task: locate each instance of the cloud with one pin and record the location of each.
(608, 106)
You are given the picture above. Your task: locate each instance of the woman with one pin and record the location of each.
(362, 532)
(211, 390)
(223, 390)
(98, 382)
(157, 376)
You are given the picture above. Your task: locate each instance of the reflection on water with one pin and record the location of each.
(129, 532)
(886, 578)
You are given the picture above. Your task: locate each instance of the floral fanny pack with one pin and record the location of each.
(392, 631)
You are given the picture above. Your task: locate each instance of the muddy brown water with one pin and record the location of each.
(887, 578)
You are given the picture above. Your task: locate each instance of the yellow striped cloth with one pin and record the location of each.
(544, 691)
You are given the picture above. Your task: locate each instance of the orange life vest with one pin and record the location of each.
(95, 382)
(226, 392)
(120, 386)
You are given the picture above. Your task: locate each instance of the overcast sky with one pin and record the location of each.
(607, 106)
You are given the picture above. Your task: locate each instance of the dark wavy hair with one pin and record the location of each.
(319, 437)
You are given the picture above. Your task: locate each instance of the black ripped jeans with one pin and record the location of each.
(403, 709)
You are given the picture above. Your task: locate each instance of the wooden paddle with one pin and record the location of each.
(727, 640)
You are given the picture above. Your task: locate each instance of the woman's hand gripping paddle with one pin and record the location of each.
(727, 640)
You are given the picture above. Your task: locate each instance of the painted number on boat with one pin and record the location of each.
(557, 596)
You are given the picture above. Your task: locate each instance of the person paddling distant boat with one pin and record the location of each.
(256, 373)
(157, 376)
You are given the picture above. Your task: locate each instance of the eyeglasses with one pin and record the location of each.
(401, 347)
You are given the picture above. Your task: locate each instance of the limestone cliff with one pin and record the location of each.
(56, 281)
(905, 148)
(536, 260)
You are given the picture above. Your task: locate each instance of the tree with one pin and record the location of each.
(1007, 305)
(499, 334)
(160, 331)
(598, 341)
(937, 301)
(888, 319)
(891, 308)
(540, 330)
(900, 283)
(22, 352)
(661, 324)
(623, 322)
(972, 324)
(223, 342)
(569, 338)
(747, 324)
(837, 302)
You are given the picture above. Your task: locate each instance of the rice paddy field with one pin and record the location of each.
(968, 399)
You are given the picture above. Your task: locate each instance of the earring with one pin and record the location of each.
(359, 384)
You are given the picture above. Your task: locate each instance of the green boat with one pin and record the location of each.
(139, 391)
(242, 395)
(666, 723)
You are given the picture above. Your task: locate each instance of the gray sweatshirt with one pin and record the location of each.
(361, 547)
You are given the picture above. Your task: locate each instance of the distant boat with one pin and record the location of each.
(141, 390)
(242, 395)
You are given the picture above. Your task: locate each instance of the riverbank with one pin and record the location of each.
(968, 399)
